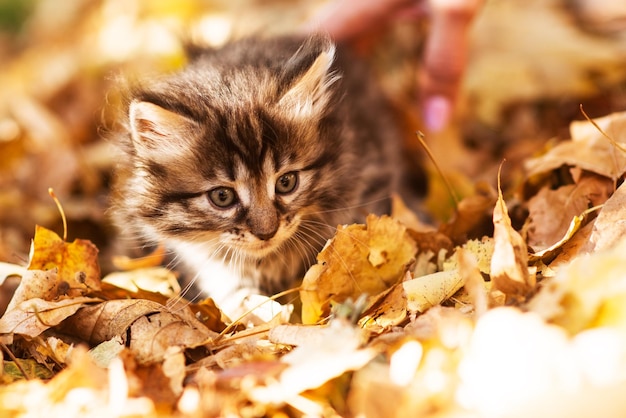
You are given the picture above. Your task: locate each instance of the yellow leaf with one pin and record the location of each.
(427, 291)
(360, 259)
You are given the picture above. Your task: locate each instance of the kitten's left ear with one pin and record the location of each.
(309, 94)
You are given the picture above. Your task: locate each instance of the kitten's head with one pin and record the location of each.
(238, 150)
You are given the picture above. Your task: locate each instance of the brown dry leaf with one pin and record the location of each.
(593, 187)
(550, 214)
(548, 254)
(573, 247)
(609, 228)
(33, 316)
(160, 381)
(38, 284)
(509, 262)
(555, 215)
(147, 327)
(433, 242)
(205, 311)
(76, 262)
(360, 259)
(588, 150)
(472, 213)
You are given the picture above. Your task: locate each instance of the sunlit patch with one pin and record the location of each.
(123, 36)
(212, 30)
(189, 402)
(404, 363)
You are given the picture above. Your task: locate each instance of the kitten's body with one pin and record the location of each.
(242, 123)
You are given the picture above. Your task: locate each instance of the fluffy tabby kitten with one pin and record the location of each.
(245, 162)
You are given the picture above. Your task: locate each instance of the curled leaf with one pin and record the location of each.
(509, 262)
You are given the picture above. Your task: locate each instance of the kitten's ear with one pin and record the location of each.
(309, 92)
(157, 131)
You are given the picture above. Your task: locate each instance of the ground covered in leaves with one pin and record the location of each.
(509, 302)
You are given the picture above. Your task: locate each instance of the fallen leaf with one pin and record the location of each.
(76, 262)
(570, 250)
(609, 227)
(360, 259)
(547, 254)
(471, 216)
(147, 328)
(33, 316)
(550, 214)
(481, 249)
(386, 310)
(588, 150)
(38, 284)
(422, 293)
(509, 262)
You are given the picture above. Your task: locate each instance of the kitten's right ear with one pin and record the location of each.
(156, 131)
(310, 74)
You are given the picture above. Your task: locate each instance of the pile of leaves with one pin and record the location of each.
(395, 319)
(512, 307)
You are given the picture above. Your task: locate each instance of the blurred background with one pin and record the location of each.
(533, 62)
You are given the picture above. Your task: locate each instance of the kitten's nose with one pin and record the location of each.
(263, 223)
(264, 236)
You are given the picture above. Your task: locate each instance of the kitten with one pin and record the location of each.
(246, 161)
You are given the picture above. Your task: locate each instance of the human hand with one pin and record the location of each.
(446, 51)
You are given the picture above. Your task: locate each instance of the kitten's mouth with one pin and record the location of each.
(266, 246)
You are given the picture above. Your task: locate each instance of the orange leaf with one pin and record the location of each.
(360, 259)
(76, 262)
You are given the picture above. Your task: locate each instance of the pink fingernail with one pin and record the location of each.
(437, 111)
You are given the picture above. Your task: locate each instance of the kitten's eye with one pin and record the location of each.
(287, 183)
(223, 197)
